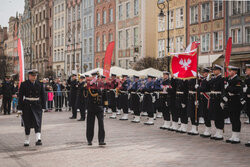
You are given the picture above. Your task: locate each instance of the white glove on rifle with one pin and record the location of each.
(225, 98)
(19, 112)
(166, 103)
(183, 105)
(245, 89)
(226, 85)
(78, 110)
(196, 86)
(222, 105)
(196, 103)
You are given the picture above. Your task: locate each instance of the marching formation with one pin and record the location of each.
(209, 98)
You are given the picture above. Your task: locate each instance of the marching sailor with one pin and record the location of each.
(112, 85)
(31, 104)
(135, 98)
(73, 94)
(246, 91)
(124, 96)
(81, 97)
(7, 90)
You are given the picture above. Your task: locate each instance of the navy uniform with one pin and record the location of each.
(124, 97)
(156, 96)
(165, 100)
(81, 97)
(216, 105)
(204, 89)
(181, 87)
(233, 90)
(31, 104)
(135, 98)
(96, 100)
(148, 100)
(112, 86)
(7, 90)
(246, 91)
(73, 94)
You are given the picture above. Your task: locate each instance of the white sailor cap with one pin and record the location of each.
(217, 67)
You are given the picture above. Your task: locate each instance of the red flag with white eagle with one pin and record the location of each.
(21, 61)
(184, 65)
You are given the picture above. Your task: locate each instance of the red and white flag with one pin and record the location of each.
(184, 65)
(108, 59)
(21, 61)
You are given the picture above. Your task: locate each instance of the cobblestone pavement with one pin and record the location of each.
(128, 144)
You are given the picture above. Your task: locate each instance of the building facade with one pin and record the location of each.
(41, 12)
(238, 28)
(136, 27)
(88, 34)
(206, 23)
(73, 37)
(3, 63)
(177, 29)
(105, 29)
(26, 34)
(59, 31)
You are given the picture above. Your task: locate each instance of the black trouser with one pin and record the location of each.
(182, 112)
(204, 109)
(148, 105)
(112, 101)
(95, 111)
(163, 108)
(218, 115)
(234, 108)
(37, 128)
(135, 104)
(82, 110)
(7, 104)
(58, 102)
(124, 102)
(248, 107)
(191, 109)
(74, 107)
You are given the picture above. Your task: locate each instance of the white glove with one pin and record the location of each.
(243, 102)
(225, 98)
(166, 103)
(141, 98)
(222, 105)
(226, 85)
(245, 89)
(78, 110)
(183, 105)
(153, 99)
(43, 110)
(196, 103)
(196, 86)
(19, 112)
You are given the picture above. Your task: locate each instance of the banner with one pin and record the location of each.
(108, 59)
(184, 66)
(228, 55)
(21, 61)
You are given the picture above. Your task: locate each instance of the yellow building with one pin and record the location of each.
(177, 28)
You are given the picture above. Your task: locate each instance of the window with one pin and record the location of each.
(62, 7)
(194, 38)
(120, 12)
(59, 9)
(98, 19)
(236, 7)
(171, 45)
(55, 24)
(59, 38)
(161, 24)
(205, 16)
(55, 9)
(90, 22)
(55, 40)
(179, 44)
(85, 3)
(171, 19)
(218, 40)
(193, 14)
(85, 23)
(179, 17)
(127, 9)
(136, 7)
(104, 15)
(136, 36)
(74, 14)
(205, 42)
(218, 9)
(110, 15)
(161, 48)
(104, 42)
(62, 39)
(69, 16)
(236, 35)
(247, 6)
(90, 45)
(62, 21)
(85, 46)
(98, 43)
(44, 30)
(127, 38)
(78, 12)
(247, 31)
(119, 39)
(59, 22)
(110, 37)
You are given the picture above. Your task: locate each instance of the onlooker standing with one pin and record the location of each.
(57, 88)
(6, 90)
(15, 99)
(50, 98)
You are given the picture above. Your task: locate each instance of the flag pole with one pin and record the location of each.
(196, 94)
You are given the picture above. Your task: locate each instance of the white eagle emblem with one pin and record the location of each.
(185, 63)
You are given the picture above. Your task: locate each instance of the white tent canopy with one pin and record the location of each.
(151, 71)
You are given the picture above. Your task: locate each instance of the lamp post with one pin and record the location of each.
(161, 5)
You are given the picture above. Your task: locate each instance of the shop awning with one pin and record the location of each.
(207, 60)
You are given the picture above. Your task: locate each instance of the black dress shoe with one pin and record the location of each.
(82, 119)
(247, 144)
(89, 143)
(26, 145)
(39, 143)
(235, 142)
(205, 136)
(102, 143)
(72, 117)
(212, 137)
(148, 123)
(216, 138)
(228, 141)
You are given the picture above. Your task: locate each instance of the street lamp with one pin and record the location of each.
(161, 5)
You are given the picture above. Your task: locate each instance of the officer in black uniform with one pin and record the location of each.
(81, 97)
(73, 93)
(124, 97)
(96, 100)
(217, 104)
(112, 85)
(246, 91)
(7, 90)
(31, 104)
(135, 98)
(233, 89)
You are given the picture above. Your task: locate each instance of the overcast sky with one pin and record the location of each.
(9, 8)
